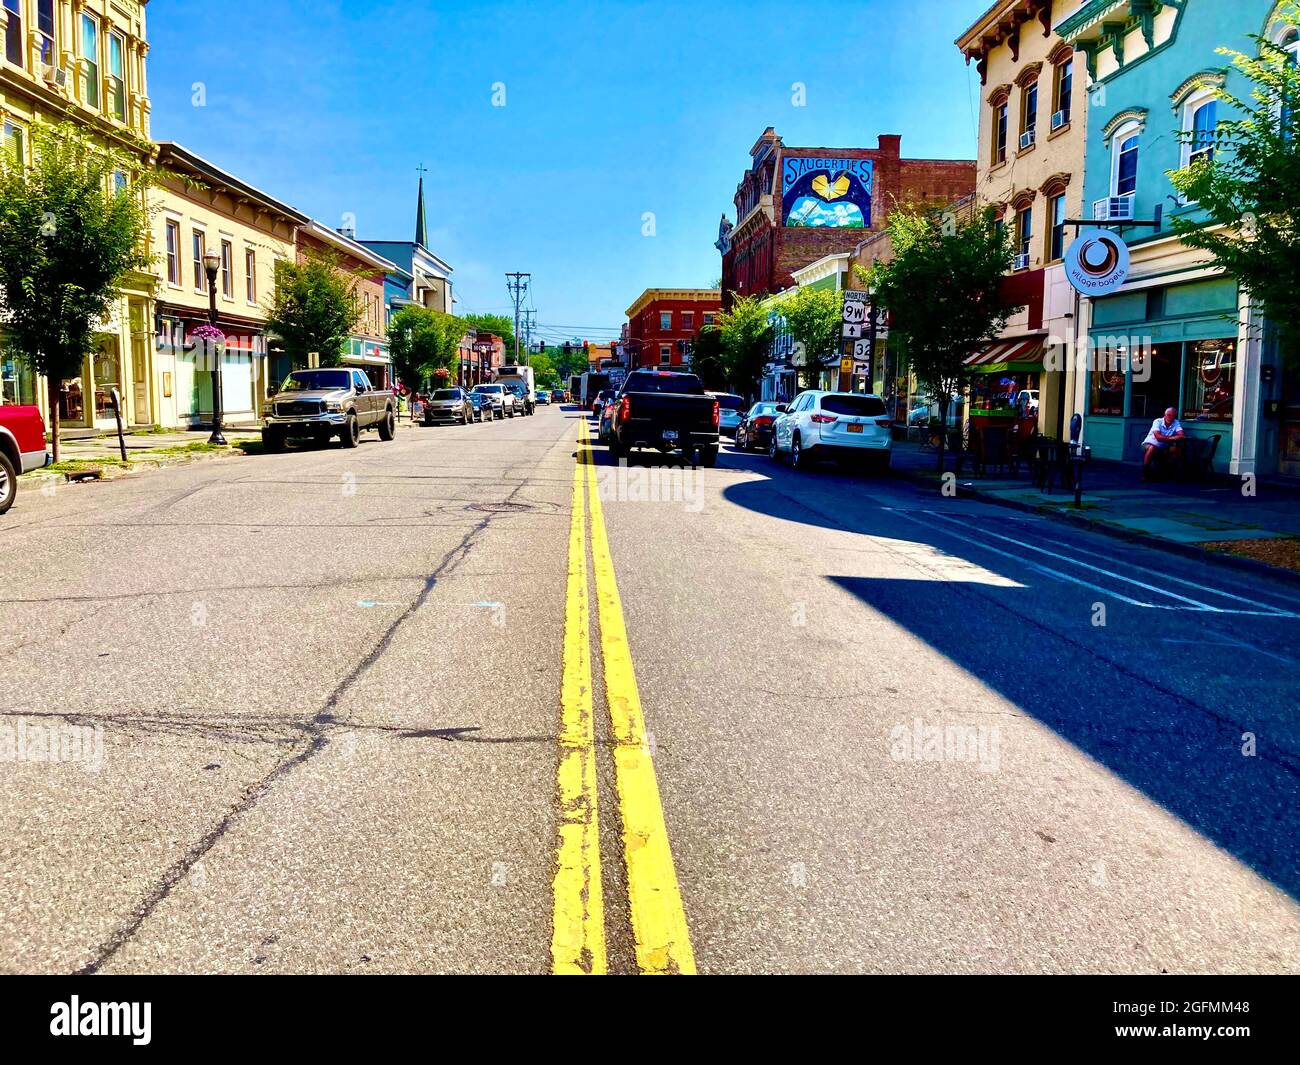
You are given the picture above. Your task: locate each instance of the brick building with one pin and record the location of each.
(664, 322)
(797, 205)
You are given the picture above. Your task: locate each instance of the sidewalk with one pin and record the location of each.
(1210, 520)
(87, 455)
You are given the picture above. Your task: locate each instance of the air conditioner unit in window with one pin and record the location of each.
(1060, 118)
(1113, 209)
(1021, 262)
(1027, 139)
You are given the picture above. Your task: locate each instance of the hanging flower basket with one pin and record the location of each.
(441, 373)
(210, 342)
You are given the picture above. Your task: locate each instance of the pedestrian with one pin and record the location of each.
(1164, 440)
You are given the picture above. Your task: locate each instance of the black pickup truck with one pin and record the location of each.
(666, 411)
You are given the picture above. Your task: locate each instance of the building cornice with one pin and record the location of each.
(692, 295)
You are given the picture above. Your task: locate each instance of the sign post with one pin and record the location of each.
(857, 335)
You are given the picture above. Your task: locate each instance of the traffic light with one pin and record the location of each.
(568, 348)
(586, 348)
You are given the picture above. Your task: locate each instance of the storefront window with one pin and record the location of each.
(1155, 381)
(108, 376)
(1210, 381)
(17, 382)
(1000, 393)
(1107, 396)
(72, 401)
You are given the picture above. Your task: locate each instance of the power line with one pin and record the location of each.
(517, 286)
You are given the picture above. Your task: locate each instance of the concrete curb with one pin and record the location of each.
(1082, 520)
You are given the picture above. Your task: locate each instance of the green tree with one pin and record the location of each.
(450, 330)
(413, 342)
(814, 317)
(1249, 189)
(746, 343)
(706, 358)
(68, 241)
(543, 369)
(942, 290)
(314, 308)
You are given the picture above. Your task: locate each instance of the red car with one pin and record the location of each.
(22, 448)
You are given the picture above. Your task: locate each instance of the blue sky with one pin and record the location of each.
(611, 110)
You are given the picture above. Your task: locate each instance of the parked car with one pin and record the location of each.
(500, 401)
(665, 410)
(730, 409)
(558, 395)
(449, 405)
(755, 427)
(482, 407)
(523, 398)
(543, 397)
(324, 403)
(844, 425)
(602, 397)
(22, 448)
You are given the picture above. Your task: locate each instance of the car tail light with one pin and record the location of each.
(624, 410)
(763, 422)
(717, 414)
(824, 419)
(884, 423)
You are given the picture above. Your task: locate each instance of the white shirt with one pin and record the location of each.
(1172, 429)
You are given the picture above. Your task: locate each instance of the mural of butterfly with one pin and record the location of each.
(829, 190)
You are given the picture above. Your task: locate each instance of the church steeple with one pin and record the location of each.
(421, 229)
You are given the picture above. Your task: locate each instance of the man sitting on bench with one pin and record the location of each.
(1164, 439)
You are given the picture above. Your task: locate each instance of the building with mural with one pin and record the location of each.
(198, 209)
(84, 63)
(795, 206)
(664, 322)
(367, 347)
(1153, 70)
(1032, 132)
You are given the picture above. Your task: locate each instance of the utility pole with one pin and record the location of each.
(529, 317)
(517, 286)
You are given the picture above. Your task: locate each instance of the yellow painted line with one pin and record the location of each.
(578, 928)
(663, 942)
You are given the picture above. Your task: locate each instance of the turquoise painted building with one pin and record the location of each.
(1154, 67)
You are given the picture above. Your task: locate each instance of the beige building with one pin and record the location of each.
(1032, 130)
(200, 209)
(83, 60)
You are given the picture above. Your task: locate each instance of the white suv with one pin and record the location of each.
(843, 425)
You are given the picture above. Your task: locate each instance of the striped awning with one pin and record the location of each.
(1023, 353)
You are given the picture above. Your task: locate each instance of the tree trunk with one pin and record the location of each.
(943, 427)
(52, 395)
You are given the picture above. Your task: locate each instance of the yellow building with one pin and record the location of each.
(83, 60)
(1032, 140)
(198, 209)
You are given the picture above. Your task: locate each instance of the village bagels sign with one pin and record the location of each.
(1097, 263)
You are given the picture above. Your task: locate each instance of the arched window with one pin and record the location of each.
(1126, 149)
(1200, 120)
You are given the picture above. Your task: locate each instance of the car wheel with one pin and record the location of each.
(708, 456)
(741, 443)
(350, 434)
(8, 482)
(273, 439)
(388, 427)
(773, 452)
(798, 458)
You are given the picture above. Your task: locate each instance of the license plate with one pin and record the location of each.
(854, 427)
(670, 434)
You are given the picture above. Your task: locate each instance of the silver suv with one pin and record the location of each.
(323, 403)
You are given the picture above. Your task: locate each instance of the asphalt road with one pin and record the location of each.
(325, 711)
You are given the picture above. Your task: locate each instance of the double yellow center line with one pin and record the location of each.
(658, 919)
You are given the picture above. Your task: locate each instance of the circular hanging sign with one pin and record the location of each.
(1097, 263)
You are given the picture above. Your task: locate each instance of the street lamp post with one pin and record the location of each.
(212, 263)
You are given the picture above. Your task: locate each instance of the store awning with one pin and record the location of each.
(1024, 354)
